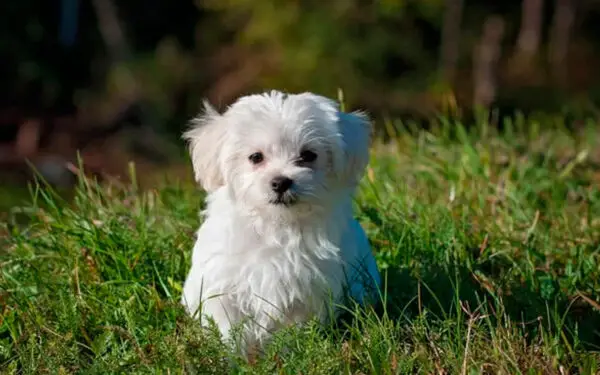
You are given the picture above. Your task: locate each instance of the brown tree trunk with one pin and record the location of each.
(451, 38)
(528, 42)
(560, 35)
(485, 62)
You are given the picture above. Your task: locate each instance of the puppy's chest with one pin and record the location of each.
(288, 278)
(281, 268)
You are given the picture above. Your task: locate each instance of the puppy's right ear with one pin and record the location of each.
(206, 138)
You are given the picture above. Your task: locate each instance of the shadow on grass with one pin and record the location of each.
(440, 292)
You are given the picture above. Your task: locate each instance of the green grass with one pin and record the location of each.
(489, 242)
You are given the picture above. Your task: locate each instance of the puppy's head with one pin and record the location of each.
(280, 153)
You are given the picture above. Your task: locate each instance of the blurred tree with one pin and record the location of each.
(525, 60)
(486, 56)
(530, 34)
(451, 38)
(560, 36)
(367, 48)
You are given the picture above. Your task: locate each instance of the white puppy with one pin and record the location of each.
(279, 244)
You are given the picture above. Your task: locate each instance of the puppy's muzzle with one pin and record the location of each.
(281, 186)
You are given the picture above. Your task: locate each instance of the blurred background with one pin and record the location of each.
(116, 81)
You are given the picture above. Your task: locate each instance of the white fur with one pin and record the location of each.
(263, 265)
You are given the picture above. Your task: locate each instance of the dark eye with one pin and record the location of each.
(256, 158)
(307, 156)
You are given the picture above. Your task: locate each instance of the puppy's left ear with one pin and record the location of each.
(355, 129)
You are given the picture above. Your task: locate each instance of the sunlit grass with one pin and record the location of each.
(489, 241)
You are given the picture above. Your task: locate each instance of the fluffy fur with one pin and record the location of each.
(263, 258)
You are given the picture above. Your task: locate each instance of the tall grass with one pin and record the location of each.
(489, 242)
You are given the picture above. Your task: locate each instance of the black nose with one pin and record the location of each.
(281, 184)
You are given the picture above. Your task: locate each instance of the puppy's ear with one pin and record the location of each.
(355, 129)
(206, 138)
